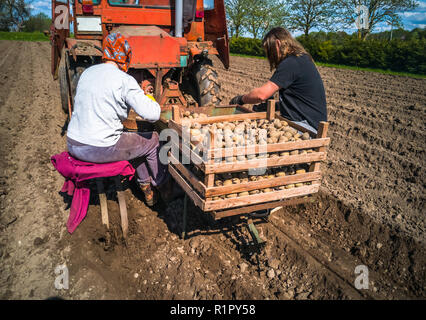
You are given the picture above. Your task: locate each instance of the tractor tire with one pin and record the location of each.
(208, 84)
(63, 87)
(76, 74)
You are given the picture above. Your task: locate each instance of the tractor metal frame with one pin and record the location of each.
(148, 28)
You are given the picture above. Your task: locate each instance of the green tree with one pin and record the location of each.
(13, 13)
(236, 11)
(39, 22)
(262, 15)
(378, 11)
(309, 14)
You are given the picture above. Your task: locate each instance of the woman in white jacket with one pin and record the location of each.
(105, 94)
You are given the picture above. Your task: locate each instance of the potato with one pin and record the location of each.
(283, 139)
(284, 154)
(254, 192)
(289, 186)
(278, 123)
(243, 194)
(297, 185)
(236, 181)
(300, 171)
(227, 182)
(196, 125)
(288, 134)
(195, 132)
(197, 138)
(231, 195)
(305, 136)
(218, 183)
(280, 174)
(294, 152)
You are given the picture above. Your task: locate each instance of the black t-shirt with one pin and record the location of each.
(302, 94)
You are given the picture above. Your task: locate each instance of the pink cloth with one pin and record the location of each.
(76, 174)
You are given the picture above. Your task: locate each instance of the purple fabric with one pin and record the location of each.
(76, 174)
(140, 148)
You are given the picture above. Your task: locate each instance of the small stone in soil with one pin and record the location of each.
(274, 263)
(243, 267)
(38, 241)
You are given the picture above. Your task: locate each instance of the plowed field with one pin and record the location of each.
(369, 210)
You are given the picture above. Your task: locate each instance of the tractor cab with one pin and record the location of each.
(172, 43)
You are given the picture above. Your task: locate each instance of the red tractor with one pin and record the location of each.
(171, 42)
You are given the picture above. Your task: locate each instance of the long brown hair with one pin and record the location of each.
(289, 46)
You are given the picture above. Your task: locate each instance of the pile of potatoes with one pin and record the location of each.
(227, 179)
(247, 133)
(193, 115)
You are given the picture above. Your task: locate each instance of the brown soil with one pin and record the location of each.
(369, 210)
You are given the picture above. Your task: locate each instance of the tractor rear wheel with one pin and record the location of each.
(63, 85)
(207, 83)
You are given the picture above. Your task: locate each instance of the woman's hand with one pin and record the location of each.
(256, 95)
(237, 100)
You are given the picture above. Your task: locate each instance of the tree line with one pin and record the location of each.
(15, 15)
(406, 52)
(256, 17)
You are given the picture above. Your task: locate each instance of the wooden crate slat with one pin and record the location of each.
(228, 118)
(262, 197)
(272, 147)
(266, 183)
(267, 162)
(252, 208)
(186, 187)
(199, 162)
(197, 184)
(322, 132)
(296, 126)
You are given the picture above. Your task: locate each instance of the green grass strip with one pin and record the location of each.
(23, 36)
(339, 66)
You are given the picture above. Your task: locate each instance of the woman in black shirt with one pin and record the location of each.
(301, 90)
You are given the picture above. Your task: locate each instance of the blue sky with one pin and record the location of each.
(411, 20)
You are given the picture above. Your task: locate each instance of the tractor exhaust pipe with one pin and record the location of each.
(178, 18)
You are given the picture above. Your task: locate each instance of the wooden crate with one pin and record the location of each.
(202, 190)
